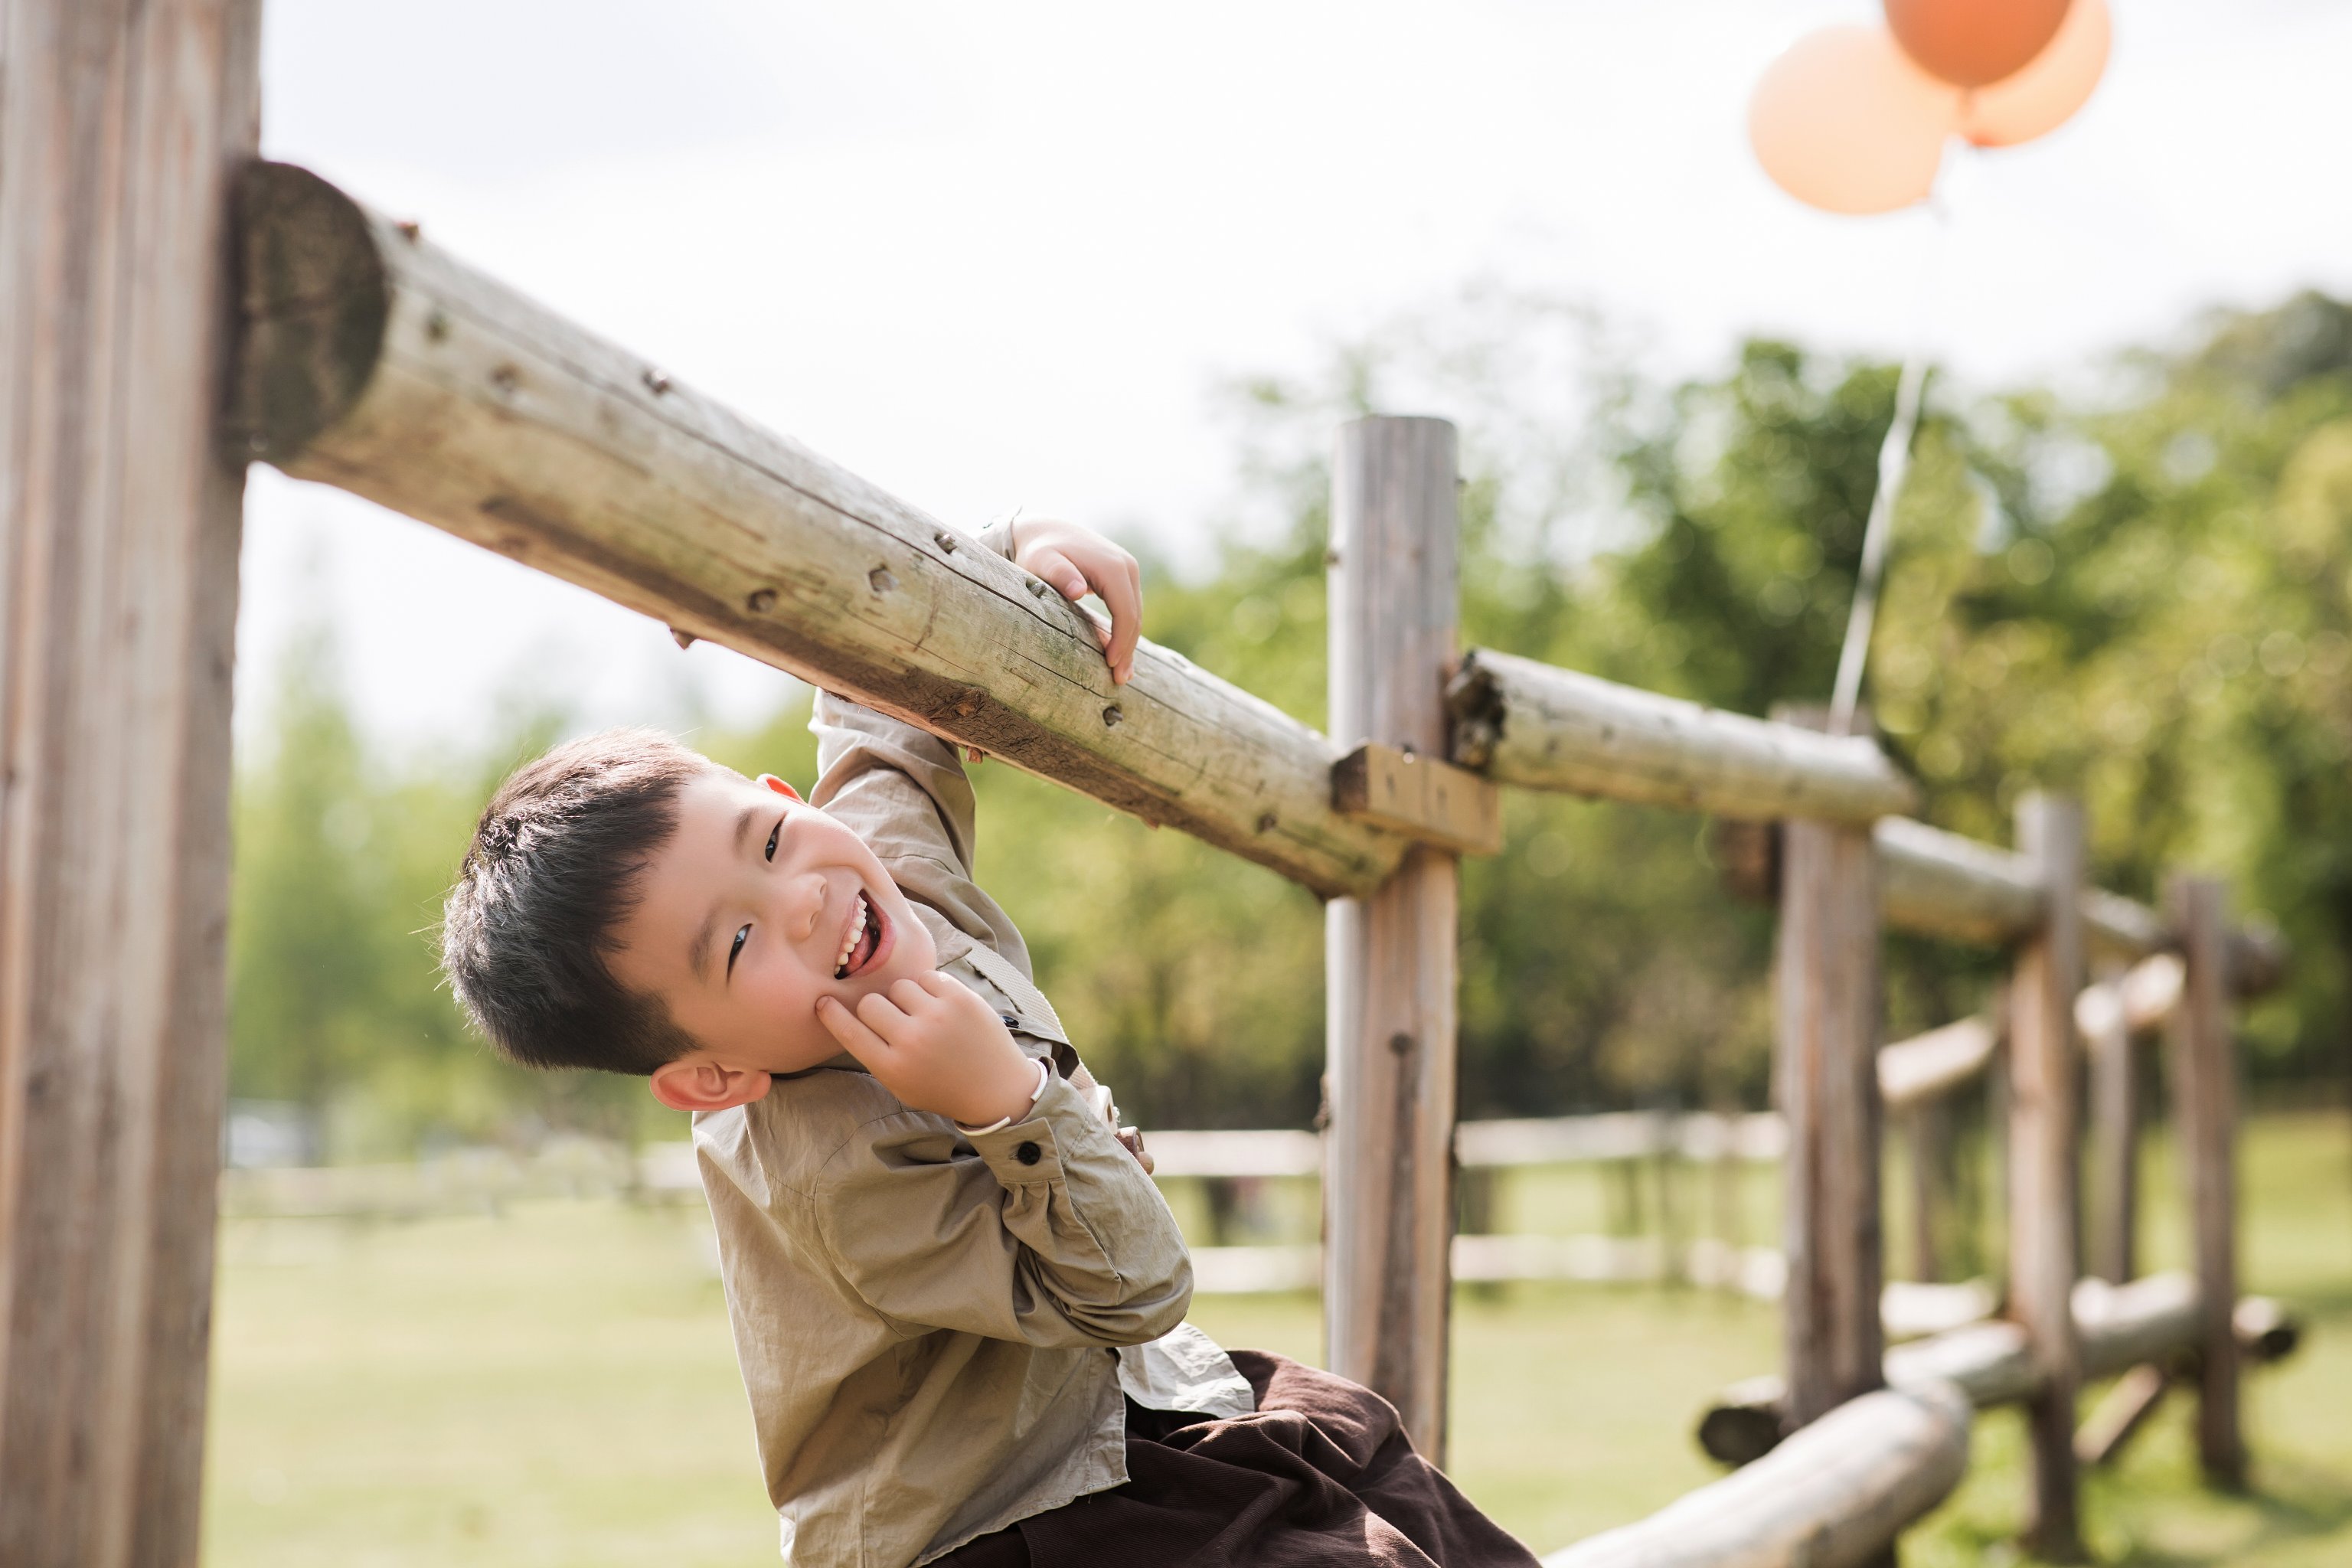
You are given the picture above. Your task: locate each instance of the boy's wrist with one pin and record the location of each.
(1044, 1076)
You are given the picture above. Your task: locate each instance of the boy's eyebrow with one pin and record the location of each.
(697, 951)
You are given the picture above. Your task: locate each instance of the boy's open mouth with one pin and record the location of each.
(862, 943)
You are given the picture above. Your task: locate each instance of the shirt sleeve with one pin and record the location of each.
(1045, 1232)
(905, 793)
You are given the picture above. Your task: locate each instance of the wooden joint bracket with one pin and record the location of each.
(1420, 797)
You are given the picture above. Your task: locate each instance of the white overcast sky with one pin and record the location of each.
(993, 253)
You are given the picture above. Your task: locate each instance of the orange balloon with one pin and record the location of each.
(2045, 94)
(1971, 42)
(1845, 121)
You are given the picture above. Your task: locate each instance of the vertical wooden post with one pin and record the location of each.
(1825, 1068)
(2043, 1172)
(122, 122)
(1390, 958)
(2115, 1119)
(2205, 1111)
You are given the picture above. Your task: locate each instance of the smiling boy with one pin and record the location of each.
(958, 1297)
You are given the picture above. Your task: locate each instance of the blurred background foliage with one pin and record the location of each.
(2138, 587)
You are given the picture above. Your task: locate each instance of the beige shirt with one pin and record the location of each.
(929, 1322)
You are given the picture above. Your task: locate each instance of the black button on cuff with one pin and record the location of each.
(1028, 1154)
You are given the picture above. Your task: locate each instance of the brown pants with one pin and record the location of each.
(1321, 1474)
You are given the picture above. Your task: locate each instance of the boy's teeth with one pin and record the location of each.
(849, 943)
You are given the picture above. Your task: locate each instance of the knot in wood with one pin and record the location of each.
(1400, 1044)
(762, 601)
(881, 580)
(1265, 821)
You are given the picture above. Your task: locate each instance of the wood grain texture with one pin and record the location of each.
(1826, 1002)
(1539, 727)
(1389, 956)
(121, 125)
(2205, 1101)
(374, 362)
(2153, 1318)
(1427, 800)
(1835, 1495)
(2044, 1166)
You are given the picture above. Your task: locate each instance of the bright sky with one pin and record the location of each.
(989, 254)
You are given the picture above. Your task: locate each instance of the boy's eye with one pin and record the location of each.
(741, 937)
(774, 833)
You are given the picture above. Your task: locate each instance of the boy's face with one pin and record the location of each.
(756, 907)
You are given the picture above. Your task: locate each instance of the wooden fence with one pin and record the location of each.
(171, 309)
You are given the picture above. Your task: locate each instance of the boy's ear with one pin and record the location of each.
(770, 780)
(691, 1085)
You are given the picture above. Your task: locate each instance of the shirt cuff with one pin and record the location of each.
(998, 535)
(1026, 1154)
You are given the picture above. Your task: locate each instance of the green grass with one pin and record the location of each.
(556, 1386)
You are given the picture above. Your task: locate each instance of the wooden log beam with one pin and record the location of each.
(372, 361)
(1835, 1495)
(1927, 1067)
(1932, 1065)
(1389, 956)
(121, 127)
(2152, 1319)
(2124, 1409)
(1538, 726)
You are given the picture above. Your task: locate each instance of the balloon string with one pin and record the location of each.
(1893, 464)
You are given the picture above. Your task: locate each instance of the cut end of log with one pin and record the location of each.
(1737, 1434)
(312, 304)
(1474, 705)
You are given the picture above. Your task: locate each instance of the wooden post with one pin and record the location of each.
(1389, 956)
(2115, 1118)
(2205, 1111)
(1826, 1012)
(120, 127)
(2044, 1175)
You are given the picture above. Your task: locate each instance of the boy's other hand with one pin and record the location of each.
(933, 1042)
(1078, 561)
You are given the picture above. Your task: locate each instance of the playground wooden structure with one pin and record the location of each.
(171, 309)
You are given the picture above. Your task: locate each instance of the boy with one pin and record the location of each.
(957, 1299)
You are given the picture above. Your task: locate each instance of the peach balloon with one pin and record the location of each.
(2045, 94)
(1971, 42)
(1845, 121)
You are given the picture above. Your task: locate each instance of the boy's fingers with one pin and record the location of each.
(856, 1038)
(877, 1013)
(912, 996)
(1122, 591)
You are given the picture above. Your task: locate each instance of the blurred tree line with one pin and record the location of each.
(2139, 589)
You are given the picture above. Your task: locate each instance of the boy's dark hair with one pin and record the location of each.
(550, 874)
